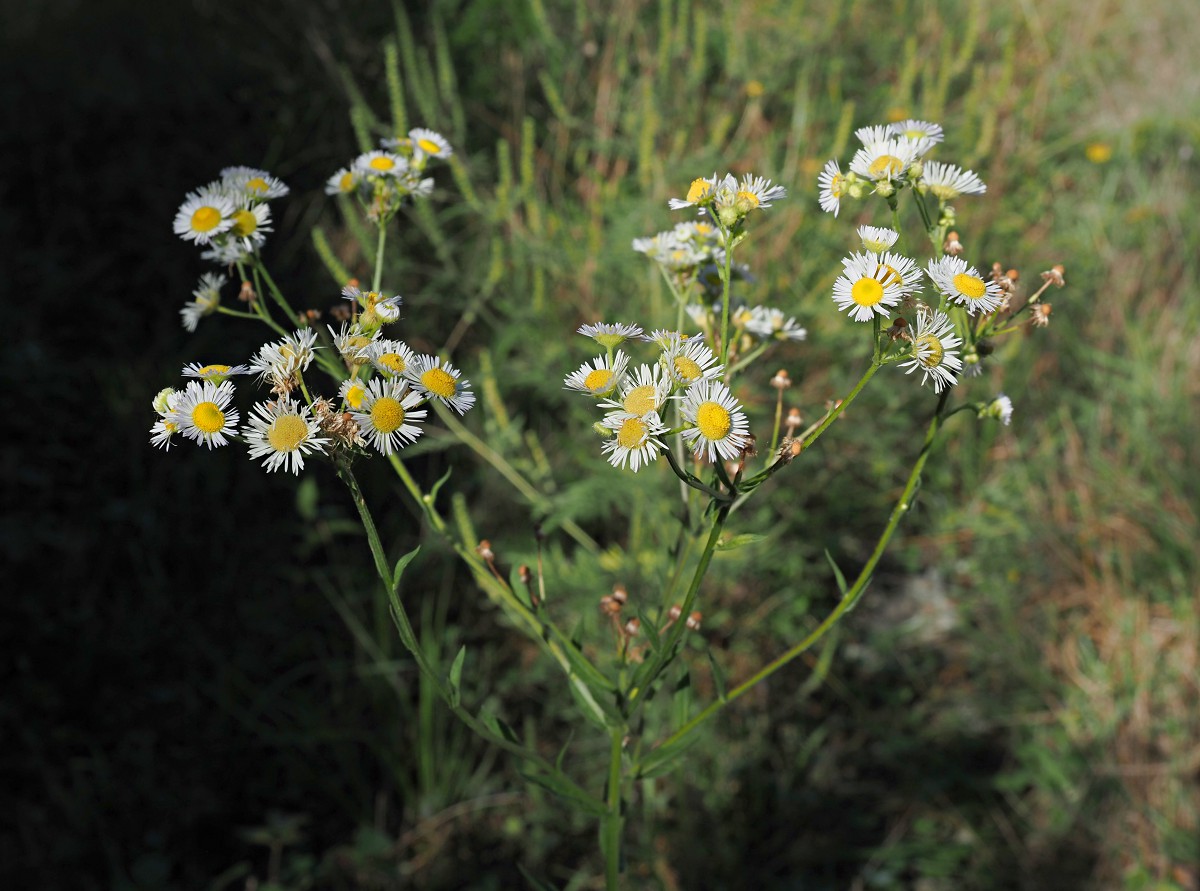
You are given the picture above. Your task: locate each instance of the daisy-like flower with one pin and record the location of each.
(876, 238)
(609, 334)
(387, 308)
(392, 357)
(204, 215)
(442, 381)
(379, 163)
(1000, 408)
(164, 428)
(700, 192)
(766, 322)
(282, 433)
(935, 350)
(251, 225)
(353, 391)
(754, 192)
(202, 413)
(963, 284)
(874, 133)
(225, 251)
(208, 298)
(889, 159)
(636, 440)
(867, 287)
(252, 184)
(599, 377)
(688, 360)
(833, 185)
(292, 355)
(644, 391)
(215, 373)
(718, 425)
(387, 414)
(343, 182)
(913, 129)
(430, 143)
(948, 181)
(353, 344)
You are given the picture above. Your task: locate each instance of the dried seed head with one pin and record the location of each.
(750, 449)
(693, 621)
(525, 573)
(1041, 315)
(246, 294)
(633, 626)
(952, 245)
(1055, 275)
(608, 606)
(789, 449)
(781, 381)
(484, 550)
(793, 420)
(674, 613)
(899, 329)
(619, 594)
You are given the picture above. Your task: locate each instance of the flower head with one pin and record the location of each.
(610, 334)
(912, 129)
(1000, 408)
(636, 439)
(202, 413)
(387, 414)
(888, 160)
(833, 185)
(207, 298)
(700, 192)
(204, 215)
(868, 285)
(948, 181)
(963, 284)
(688, 360)
(343, 182)
(391, 357)
(353, 392)
(643, 392)
(877, 239)
(427, 142)
(215, 373)
(379, 163)
(440, 380)
(717, 424)
(601, 377)
(768, 323)
(935, 350)
(282, 433)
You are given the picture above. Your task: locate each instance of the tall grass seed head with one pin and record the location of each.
(438, 379)
(387, 419)
(202, 413)
(961, 283)
(282, 433)
(600, 377)
(717, 426)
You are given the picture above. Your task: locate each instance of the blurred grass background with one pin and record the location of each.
(195, 695)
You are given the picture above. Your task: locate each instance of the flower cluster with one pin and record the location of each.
(230, 216)
(381, 401)
(687, 375)
(729, 200)
(384, 177)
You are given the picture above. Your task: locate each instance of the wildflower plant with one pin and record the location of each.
(665, 401)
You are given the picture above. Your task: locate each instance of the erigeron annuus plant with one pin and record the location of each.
(665, 397)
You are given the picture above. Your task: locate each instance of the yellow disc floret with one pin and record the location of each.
(208, 418)
(930, 351)
(631, 434)
(686, 369)
(886, 166)
(382, 163)
(393, 362)
(699, 190)
(597, 381)
(205, 219)
(387, 414)
(244, 223)
(714, 420)
(439, 383)
(428, 146)
(287, 433)
(970, 286)
(641, 400)
(355, 395)
(866, 292)
(257, 185)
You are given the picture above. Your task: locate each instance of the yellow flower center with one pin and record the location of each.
(866, 292)
(886, 166)
(382, 163)
(714, 420)
(257, 184)
(748, 199)
(439, 383)
(394, 362)
(346, 183)
(699, 190)
(212, 369)
(428, 146)
(913, 133)
(641, 400)
(387, 414)
(208, 418)
(599, 380)
(686, 369)
(970, 286)
(703, 229)
(355, 395)
(888, 275)
(945, 192)
(171, 427)
(631, 434)
(837, 185)
(930, 351)
(244, 223)
(205, 219)
(287, 433)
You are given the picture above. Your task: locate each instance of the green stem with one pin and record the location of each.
(725, 300)
(260, 268)
(840, 407)
(748, 358)
(379, 256)
(611, 821)
(849, 599)
(690, 480)
(778, 422)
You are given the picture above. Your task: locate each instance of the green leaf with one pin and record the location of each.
(837, 573)
(718, 674)
(650, 630)
(558, 784)
(456, 676)
(401, 565)
(307, 498)
(665, 758)
(499, 727)
(431, 498)
(739, 541)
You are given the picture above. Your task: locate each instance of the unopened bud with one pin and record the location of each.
(484, 550)
(619, 594)
(246, 294)
(693, 621)
(793, 420)
(609, 606)
(162, 398)
(781, 380)
(885, 188)
(674, 613)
